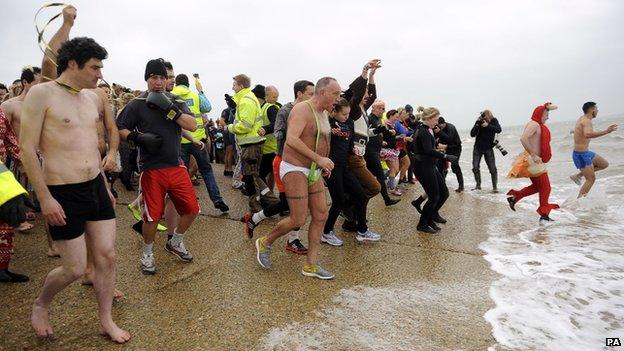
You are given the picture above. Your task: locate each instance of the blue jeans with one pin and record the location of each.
(204, 167)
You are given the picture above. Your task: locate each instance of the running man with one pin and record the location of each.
(59, 119)
(531, 164)
(303, 160)
(588, 162)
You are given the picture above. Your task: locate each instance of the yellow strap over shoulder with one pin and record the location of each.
(9, 186)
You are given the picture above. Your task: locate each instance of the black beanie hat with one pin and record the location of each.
(182, 79)
(409, 108)
(155, 67)
(441, 120)
(259, 92)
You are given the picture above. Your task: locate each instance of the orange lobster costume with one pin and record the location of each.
(539, 183)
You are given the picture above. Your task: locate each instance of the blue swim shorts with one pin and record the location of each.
(583, 159)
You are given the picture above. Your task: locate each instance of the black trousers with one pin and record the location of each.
(266, 165)
(128, 162)
(341, 183)
(477, 154)
(432, 181)
(373, 163)
(456, 168)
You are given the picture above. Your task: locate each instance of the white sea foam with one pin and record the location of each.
(562, 285)
(386, 318)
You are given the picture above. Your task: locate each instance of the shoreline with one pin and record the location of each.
(224, 300)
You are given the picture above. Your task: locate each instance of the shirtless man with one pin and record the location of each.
(536, 142)
(70, 186)
(12, 108)
(588, 162)
(303, 160)
(106, 126)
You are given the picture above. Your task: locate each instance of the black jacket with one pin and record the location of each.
(485, 136)
(450, 137)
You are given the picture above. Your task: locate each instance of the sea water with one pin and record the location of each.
(562, 284)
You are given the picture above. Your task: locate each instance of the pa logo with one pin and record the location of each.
(613, 342)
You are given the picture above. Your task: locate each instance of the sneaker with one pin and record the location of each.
(248, 224)
(222, 206)
(179, 250)
(368, 236)
(296, 247)
(148, 264)
(263, 253)
(576, 178)
(316, 271)
(136, 213)
(396, 192)
(331, 239)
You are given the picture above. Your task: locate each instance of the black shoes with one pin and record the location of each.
(435, 227)
(512, 202)
(459, 190)
(7, 276)
(391, 202)
(426, 229)
(222, 206)
(439, 219)
(545, 219)
(418, 203)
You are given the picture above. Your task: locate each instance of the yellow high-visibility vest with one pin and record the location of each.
(9, 186)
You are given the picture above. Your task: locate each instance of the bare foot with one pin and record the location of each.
(39, 321)
(53, 253)
(87, 279)
(116, 334)
(118, 296)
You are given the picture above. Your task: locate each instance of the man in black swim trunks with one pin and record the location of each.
(71, 188)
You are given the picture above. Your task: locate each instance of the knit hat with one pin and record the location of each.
(409, 108)
(259, 92)
(155, 67)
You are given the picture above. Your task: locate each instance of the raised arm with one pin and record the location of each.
(48, 67)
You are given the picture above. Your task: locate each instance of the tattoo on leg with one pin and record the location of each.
(296, 197)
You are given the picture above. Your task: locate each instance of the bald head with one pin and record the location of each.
(272, 94)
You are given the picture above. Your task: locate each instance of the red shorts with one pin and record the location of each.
(277, 160)
(174, 181)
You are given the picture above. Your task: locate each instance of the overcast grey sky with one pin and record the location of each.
(460, 56)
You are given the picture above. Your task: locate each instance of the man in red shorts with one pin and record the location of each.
(153, 123)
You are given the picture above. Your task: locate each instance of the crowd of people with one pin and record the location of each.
(326, 138)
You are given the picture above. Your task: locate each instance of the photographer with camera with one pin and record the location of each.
(485, 130)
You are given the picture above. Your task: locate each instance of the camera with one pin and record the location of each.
(500, 148)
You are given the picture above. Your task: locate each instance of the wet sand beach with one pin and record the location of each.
(410, 291)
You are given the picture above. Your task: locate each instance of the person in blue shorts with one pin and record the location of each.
(586, 161)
